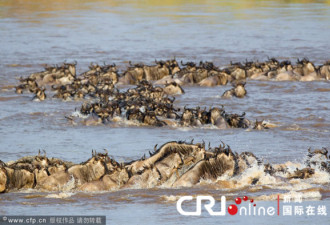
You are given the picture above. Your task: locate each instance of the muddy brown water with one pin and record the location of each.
(34, 33)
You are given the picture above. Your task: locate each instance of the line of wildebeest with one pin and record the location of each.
(174, 164)
(153, 105)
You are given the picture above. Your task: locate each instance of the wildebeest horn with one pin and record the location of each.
(309, 150)
(325, 151)
(114, 64)
(224, 145)
(192, 141)
(155, 148)
(183, 63)
(39, 153)
(44, 152)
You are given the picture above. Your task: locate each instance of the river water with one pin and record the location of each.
(34, 33)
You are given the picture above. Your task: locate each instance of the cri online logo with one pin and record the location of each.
(232, 209)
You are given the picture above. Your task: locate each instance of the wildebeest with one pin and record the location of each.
(324, 71)
(91, 170)
(40, 94)
(138, 72)
(19, 178)
(174, 164)
(173, 89)
(302, 174)
(260, 125)
(214, 79)
(238, 90)
(3, 177)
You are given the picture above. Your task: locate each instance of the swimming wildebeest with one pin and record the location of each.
(138, 72)
(173, 89)
(238, 91)
(174, 164)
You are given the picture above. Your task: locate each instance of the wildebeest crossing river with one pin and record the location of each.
(35, 34)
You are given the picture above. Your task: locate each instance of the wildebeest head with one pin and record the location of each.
(111, 164)
(239, 89)
(173, 89)
(307, 66)
(3, 177)
(71, 67)
(86, 108)
(134, 114)
(269, 169)
(91, 170)
(40, 94)
(324, 70)
(260, 125)
(151, 119)
(41, 161)
(203, 115)
(190, 66)
(19, 89)
(57, 166)
(187, 117)
(173, 66)
(286, 64)
(302, 174)
(272, 63)
(216, 115)
(252, 68)
(237, 121)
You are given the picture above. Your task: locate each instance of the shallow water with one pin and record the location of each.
(33, 33)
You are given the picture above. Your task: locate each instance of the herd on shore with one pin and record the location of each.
(174, 164)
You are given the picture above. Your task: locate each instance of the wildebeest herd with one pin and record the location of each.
(174, 164)
(102, 79)
(153, 106)
(151, 102)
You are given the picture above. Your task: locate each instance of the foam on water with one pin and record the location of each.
(61, 195)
